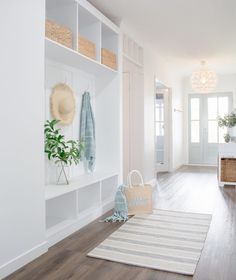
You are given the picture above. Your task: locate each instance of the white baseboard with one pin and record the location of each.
(42, 248)
(176, 168)
(201, 165)
(82, 220)
(22, 259)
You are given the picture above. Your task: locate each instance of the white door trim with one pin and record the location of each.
(202, 146)
(167, 131)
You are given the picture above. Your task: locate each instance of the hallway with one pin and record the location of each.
(188, 189)
(195, 189)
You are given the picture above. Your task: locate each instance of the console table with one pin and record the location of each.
(227, 164)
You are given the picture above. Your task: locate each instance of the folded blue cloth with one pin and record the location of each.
(121, 209)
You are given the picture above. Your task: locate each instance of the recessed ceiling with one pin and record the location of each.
(182, 31)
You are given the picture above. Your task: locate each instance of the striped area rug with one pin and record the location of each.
(165, 240)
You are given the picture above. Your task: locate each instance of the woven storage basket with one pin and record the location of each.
(86, 47)
(228, 169)
(109, 59)
(58, 33)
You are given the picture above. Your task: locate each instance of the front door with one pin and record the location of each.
(204, 133)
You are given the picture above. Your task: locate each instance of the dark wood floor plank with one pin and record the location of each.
(192, 189)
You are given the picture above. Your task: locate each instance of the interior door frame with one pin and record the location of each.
(166, 167)
(202, 120)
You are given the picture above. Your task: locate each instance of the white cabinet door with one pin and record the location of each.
(133, 118)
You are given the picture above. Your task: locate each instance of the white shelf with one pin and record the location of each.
(90, 210)
(52, 191)
(70, 207)
(59, 53)
(55, 224)
(93, 11)
(89, 27)
(95, 209)
(59, 228)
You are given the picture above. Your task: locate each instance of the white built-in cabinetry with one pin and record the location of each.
(68, 208)
(82, 19)
(132, 51)
(133, 106)
(25, 235)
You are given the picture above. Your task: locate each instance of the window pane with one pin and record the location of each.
(160, 157)
(222, 132)
(162, 129)
(162, 114)
(159, 114)
(160, 100)
(195, 132)
(159, 129)
(212, 131)
(195, 108)
(212, 108)
(223, 106)
(159, 107)
(160, 143)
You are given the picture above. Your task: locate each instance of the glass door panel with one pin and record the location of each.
(195, 137)
(212, 131)
(159, 118)
(195, 120)
(223, 106)
(205, 135)
(161, 130)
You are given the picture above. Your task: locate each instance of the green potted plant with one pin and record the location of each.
(227, 137)
(62, 152)
(228, 121)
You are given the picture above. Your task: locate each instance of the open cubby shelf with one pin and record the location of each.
(83, 20)
(57, 224)
(88, 196)
(52, 191)
(69, 207)
(57, 52)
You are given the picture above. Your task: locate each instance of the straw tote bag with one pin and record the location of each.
(138, 197)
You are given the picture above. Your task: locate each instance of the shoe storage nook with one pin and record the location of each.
(82, 49)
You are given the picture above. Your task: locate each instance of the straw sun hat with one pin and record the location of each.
(63, 103)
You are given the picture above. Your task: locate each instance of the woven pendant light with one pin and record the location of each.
(203, 80)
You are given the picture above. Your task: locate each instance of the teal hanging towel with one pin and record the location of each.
(87, 133)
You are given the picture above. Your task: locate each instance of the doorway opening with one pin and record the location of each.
(161, 102)
(204, 132)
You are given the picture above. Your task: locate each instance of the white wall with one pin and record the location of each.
(156, 67)
(177, 122)
(226, 84)
(22, 233)
(78, 81)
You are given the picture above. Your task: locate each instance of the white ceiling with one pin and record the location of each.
(182, 31)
